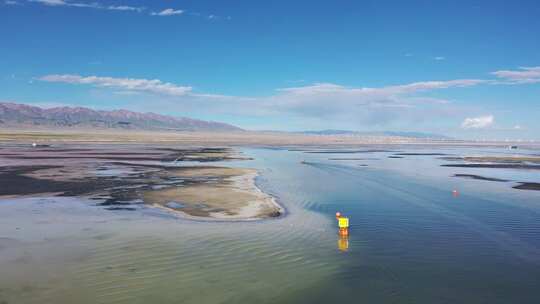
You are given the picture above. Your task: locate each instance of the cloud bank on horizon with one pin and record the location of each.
(320, 100)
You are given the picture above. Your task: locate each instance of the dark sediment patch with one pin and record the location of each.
(155, 154)
(28, 157)
(14, 182)
(122, 197)
(421, 154)
(479, 177)
(121, 209)
(207, 159)
(194, 150)
(60, 150)
(494, 166)
(135, 165)
(452, 158)
(495, 159)
(121, 153)
(347, 151)
(353, 158)
(528, 186)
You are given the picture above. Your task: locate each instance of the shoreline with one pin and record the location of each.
(245, 138)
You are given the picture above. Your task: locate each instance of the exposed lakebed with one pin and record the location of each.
(123, 177)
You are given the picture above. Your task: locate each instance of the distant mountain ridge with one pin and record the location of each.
(381, 133)
(22, 115)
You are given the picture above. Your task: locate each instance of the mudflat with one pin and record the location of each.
(126, 176)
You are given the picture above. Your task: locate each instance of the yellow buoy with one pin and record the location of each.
(343, 222)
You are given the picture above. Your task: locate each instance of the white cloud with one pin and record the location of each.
(11, 2)
(329, 88)
(94, 5)
(128, 84)
(99, 6)
(50, 2)
(125, 8)
(480, 122)
(439, 58)
(522, 75)
(168, 12)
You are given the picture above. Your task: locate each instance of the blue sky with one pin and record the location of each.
(468, 69)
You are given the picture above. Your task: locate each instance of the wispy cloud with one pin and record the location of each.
(101, 6)
(50, 2)
(125, 8)
(93, 5)
(520, 76)
(168, 12)
(439, 58)
(334, 89)
(11, 2)
(129, 84)
(480, 122)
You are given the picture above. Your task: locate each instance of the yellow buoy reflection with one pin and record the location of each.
(343, 243)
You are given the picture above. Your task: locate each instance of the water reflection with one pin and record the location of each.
(343, 243)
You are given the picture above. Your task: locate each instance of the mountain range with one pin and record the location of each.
(24, 116)
(21, 115)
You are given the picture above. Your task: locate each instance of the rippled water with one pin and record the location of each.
(411, 240)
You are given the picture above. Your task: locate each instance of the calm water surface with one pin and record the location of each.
(411, 240)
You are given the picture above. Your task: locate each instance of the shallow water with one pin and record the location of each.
(411, 240)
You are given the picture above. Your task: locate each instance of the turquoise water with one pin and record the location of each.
(411, 240)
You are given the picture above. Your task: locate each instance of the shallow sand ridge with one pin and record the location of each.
(228, 193)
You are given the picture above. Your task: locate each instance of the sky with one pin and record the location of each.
(466, 69)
